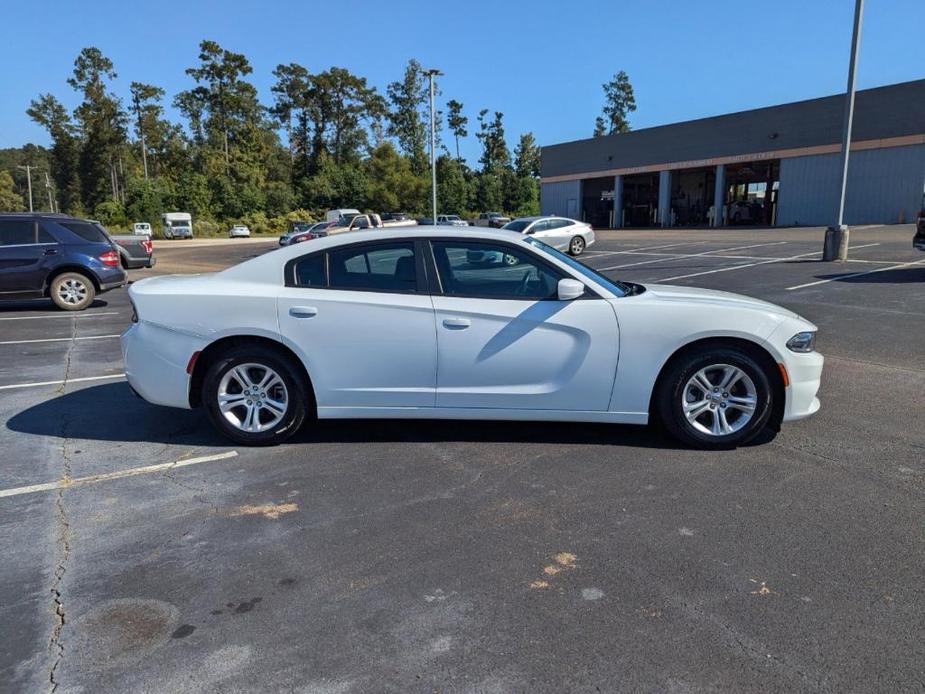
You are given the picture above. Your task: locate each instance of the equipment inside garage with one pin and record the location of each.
(751, 192)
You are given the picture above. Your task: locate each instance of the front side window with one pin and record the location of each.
(379, 267)
(17, 232)
(493, 271)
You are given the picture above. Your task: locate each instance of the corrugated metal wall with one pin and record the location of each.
(555, 197)
(884, 187)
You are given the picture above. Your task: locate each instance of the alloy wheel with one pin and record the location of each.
(72, 291)
(252, 397)
(719, 400)
(576, 246)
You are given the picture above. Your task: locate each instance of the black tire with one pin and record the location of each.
(297, 394)
(672, 394)
(72, 291)
(576, 246)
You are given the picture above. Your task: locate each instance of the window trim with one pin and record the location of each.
(437, 290)
(289, 270)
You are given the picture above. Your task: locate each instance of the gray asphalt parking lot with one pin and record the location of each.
(372, 556)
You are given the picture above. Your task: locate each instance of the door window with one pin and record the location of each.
(379, 267)
(17, 232)
(493, 271)
(541, 225)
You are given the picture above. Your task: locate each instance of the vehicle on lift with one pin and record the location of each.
(397, 323)
(559, 232)
(66, 259)
(743, 212)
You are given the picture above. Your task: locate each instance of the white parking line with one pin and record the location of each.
(58, 339)
(58, 383)
(131, 472)
(62, 315)
(646, 248)
(849, 275)
(693, 255)
(747, 265)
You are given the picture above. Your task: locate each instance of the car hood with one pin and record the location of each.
(668, 292)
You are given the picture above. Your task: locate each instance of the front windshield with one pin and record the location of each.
(453, 217)
(517, 225)
(614, 287)
(179, 224)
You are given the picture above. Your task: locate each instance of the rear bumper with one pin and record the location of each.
(805, 374)
(155, 363)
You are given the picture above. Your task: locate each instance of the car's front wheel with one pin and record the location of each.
(254, 396)
(715, 397)
(576, 246)
(72, 291)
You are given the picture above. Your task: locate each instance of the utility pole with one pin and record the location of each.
(836, 237)
(433, 145)
(51, 200)
(28, 170)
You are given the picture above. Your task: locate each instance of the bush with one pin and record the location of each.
(206, 227)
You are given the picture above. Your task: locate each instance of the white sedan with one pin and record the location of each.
(399, 323)
(562, 233)
(239, 231)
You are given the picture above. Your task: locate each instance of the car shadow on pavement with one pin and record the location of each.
(111, 412)
(44, 305)
(907, 275)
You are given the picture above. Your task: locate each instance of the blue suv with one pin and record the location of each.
(66, 259)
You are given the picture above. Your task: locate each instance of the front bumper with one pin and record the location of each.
(918, 243)
(805, 374)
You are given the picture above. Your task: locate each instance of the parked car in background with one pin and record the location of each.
(354, 222)
(448, 220)
(239, 231)
(134, 251)
(334, 215)
(141, 229)
(397, 219)
(177, 225)
(66, 259)
(345, 328)
(305, 232)
(561, 233)
(743, 212)
(495, 220)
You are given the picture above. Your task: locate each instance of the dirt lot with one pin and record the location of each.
(143, 553)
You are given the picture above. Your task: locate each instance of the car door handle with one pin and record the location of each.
(51, 251)
(456, 323)
(303, 311)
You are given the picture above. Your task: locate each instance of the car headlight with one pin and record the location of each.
(802, 342)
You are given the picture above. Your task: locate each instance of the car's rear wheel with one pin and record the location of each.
(576, 246)
(715, 397)
(72, 291)
(254, 396)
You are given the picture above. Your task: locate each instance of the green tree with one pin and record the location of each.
(599, 128)
(101, 125)
(619, 102)
(495, 154)
(527, 156)
(452, 187)
(488, 193)
(393, 186)
(48, 112)
(409, 98)
(456, 121)
(147, 112)
(10, 200)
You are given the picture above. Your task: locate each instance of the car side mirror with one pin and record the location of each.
(570, 289)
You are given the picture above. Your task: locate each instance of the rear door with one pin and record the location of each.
(363, 320)
(23, 255)
(505, 341)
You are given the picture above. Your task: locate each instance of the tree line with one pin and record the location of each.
(328, 139)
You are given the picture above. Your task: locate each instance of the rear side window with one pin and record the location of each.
(309, 271)
(380, 267)
(86, 231)
(17, 232)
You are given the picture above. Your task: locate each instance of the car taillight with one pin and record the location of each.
(298, 239)
(110, 258)
(148, 246)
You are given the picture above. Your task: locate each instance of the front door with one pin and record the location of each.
(361, 318)
(505, 341)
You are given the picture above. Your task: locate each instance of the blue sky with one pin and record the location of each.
(541, 62)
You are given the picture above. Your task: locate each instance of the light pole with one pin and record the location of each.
(28, 169)
(433, 145)
(836, 237)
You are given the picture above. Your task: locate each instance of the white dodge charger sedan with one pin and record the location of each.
(401, 323)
